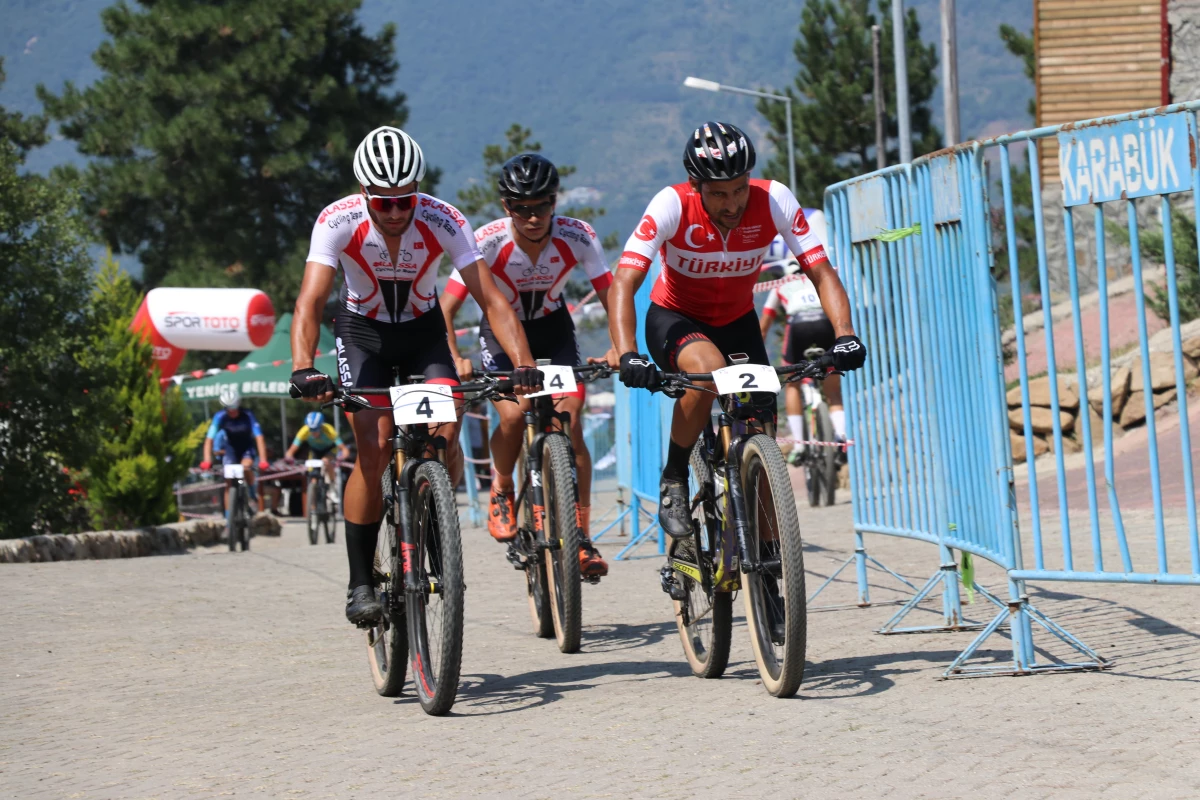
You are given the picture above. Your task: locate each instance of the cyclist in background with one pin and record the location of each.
(243, 437)
(320, 438)
(710, 235)
(531, 252)
(807, 326)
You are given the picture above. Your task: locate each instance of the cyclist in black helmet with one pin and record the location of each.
(710, 235)
(531, 252)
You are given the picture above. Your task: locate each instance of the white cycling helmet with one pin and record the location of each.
(230, 396)
(388, 157)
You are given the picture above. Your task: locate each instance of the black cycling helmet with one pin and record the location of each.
(718, 151)
(526, 176)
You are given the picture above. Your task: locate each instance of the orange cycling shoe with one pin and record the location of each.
(502, 517)
(591, 563)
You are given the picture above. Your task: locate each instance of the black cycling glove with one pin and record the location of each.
(528, 378)
(638, 371)
(848, 353)
(310, 383)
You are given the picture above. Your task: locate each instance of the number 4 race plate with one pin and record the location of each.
(422, 402)
(746, 378)
(556, 380)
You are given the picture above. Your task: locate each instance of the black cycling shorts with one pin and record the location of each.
(801, 335)
(369, 350)
(668, 332)
(551, 336)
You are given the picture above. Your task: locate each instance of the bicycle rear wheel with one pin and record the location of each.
(435, 614)
(387, 639)
(826, 456)
(562, 559)
(776, 605)
(231, 517)
(705, 617)
(313, 515)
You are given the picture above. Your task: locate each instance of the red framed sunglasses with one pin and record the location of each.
(385, 203)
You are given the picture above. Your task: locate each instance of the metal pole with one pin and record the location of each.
(282, 429)
(900, 59)
(880, 112)
(950, 73)
(791, 146)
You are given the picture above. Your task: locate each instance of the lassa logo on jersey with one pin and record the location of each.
(799, 223)
(491, 229)
(450, 211)
(569, 222)
(647, 229)
(353, 202)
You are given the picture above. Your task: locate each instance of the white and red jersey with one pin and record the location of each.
(535, 288)
(797, 299)
(707, 276)
(376, 287)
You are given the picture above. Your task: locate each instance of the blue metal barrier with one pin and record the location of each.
(928, 412)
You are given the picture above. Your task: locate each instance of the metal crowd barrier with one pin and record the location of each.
(934, 460)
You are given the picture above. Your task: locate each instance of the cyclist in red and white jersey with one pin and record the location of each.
(710, 235)
(531, 253)
(388, 242)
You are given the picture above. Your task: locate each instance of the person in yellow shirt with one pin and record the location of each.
(320, 438)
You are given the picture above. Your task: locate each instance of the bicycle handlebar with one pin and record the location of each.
(818, 368)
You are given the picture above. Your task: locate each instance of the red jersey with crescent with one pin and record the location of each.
(376, 286)
(535, 288)
(707, 276)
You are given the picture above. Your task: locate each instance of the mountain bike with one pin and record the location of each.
(320, 511)
(745, 530)
(418, 570)
(820, 461)
(549, 533)
(237, 505)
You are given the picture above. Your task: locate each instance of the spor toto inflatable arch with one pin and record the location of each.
(178, 320)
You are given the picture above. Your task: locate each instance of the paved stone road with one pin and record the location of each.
(215, 674)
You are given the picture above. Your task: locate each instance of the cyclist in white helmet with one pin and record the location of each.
(388, 240)
(807, 326)
(243, 437)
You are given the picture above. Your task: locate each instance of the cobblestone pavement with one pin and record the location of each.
(217, 674)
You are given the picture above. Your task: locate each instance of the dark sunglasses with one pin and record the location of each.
(540, 210)
(385, 203)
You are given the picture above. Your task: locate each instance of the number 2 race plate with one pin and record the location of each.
(746, 378)
(422, 402)
(556, 380)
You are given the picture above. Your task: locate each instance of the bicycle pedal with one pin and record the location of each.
(592, 579)
(671, 586)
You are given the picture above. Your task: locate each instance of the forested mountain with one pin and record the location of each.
(600, 84)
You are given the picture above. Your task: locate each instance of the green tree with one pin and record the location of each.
(46, 428)
(1021, 46)
(481, 201)
(1153, 247)
(23, 133)
(219, 130)
(147, 439)
(834, 111)
(1024, 227)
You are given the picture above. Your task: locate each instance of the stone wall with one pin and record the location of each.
(159, 540)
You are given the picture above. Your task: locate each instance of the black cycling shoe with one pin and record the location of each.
(673, 513)
(361, 605)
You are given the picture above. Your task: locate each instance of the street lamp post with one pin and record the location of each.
(713, 86)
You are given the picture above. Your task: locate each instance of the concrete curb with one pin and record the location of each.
(175, 538)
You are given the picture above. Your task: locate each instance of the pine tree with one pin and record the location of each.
(833, 112)
(45, 428)
(481, 201)
(147, 440)
(219, 130)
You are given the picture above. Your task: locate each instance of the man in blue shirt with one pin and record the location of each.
(242, 434)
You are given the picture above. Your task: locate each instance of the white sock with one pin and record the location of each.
(796, 426)
(839, 422)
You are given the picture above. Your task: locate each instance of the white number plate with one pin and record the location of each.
(556, 380)
(746, 378)
(422, 402)
(235, 471)
(313, 463)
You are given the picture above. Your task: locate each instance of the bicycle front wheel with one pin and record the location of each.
(536, 589)
(704, 617)
(314, 510)
(776, 605)
(562, 562)
(387, 639)
(435, 613)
